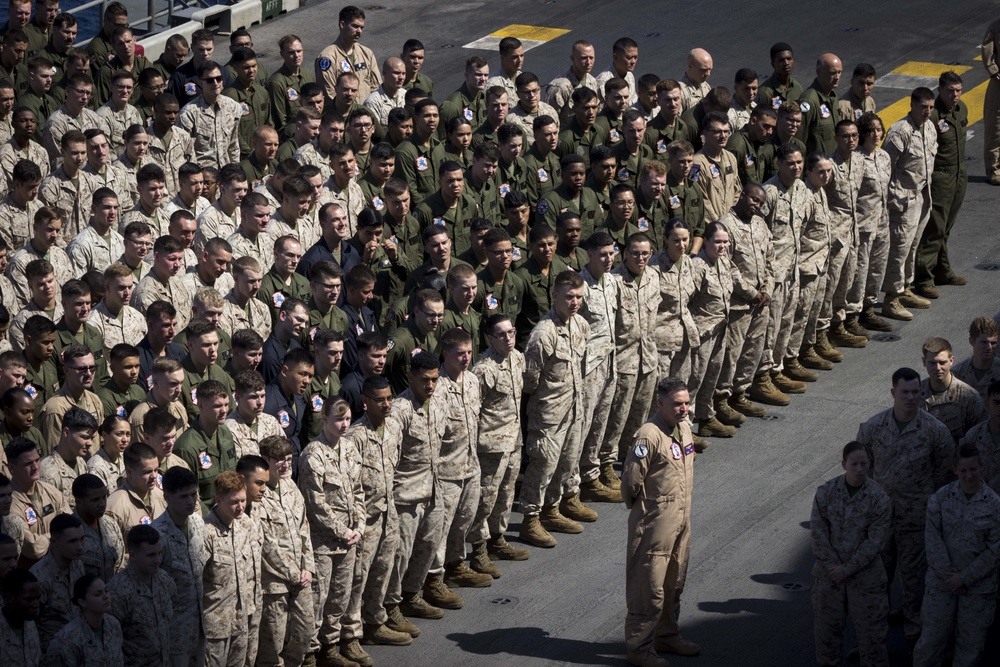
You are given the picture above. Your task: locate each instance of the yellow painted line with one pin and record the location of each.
(916, 68)
(974, 100)
(979, 58)
(533, 32)
(895, 112)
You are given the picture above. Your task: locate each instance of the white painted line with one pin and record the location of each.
(492, 43)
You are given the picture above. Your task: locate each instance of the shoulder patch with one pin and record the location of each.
(392, 344)
(204, 460)
(694, 173)
(543, 176)
(317, 403)
(190, 89)
(805, 106)
(324, 64)
(641, 450)
(543, 206)
(283, 419)
(292, 94)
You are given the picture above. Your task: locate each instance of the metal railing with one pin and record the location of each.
(151, 14)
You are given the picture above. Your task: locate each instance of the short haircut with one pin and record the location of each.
(78, 420)
(158, 420)
(248, 381)
(851, 447)
(298, 357)
(210, 389)
(140, 535)
(670, 385)
(246, 339)
(375, 383)
(228, 482)
(63, 522)
(984, 326)
(249, 463)
(863, 71)
(371, 340)
(904, 375)
(935, 346)
(87, 483)
(18, 447)
(423, 361)
(568, 278)
(921, 94)
(136, 453)
(177, 479)
(75, 351)
(453, 338)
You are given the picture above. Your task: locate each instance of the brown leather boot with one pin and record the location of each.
(571, 508)
(810, 359)
(786, 384)
(841, 337)
(796, 371)
(535, 534)
(763, 391)
(825, 350)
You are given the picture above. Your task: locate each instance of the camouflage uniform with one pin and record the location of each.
(170, 152)
(657, 481)
(959, 407)
(11, 526)
(458, 467)
(62, 266)
(92, 252)
(416, 490)
(15, 334)
(128, 509)
(911, 150)
(814, 256)
(11, 154)
(260, 248)
(636, 358)
(963, 537)
(104, 548)
(55, 605)
(54, 470)
(553, 378)
(129, 326)
(351, 199)
(676, 332)
(19, 646)
(112, 473)
(850, 531)
(79, 644)
(909, 464)
(379, 450)
(965, 372)
(692, 93)
(228, 583)
(873, 229)
(214, 130)
(184, 562)
(61, 122)
(36, 516)
(842, 193)
(74, 200)
(752, 251)
(305, 230)
(785, 211)
(559, 93)
(143, 607)
(499, 448)
(247, 437)
(311, 153)
(16, 222)
(115, 177)
(255, 316)
(212, 223)
(288, 618)
(152, 289)
(330, 479)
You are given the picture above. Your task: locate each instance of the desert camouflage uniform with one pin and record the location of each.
(850, 531)
(785, 212)
(330, 480)
(247, 437)
(171, 154)
(260, 248)
(55, 605)
(15, 334)
(60, 122)
(92, 252)
(959, 407)
(144, 609)
(351, 199)
(501, 383)
(184, 562)
(965, 372)
(75, 201)
(80, 645)
(115, 177)
(963, 537)
(312, 154)
(152, 289)
(288, 616)
(20, 647)
(228, 590)
(305, 230)
(553, 378)
(379, 450)
(842, 197)
(11, 154)
(112, 473)
(873, 229)
(128, 327)
(814, 257)
(909, 465)
(104, 548)
(255, 316)
(214, 130)
(54, 470)
(62, 266)
(676, 333)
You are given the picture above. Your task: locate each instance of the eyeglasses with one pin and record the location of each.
(84, 370)
(212, 79)
(503, 253)
(156, 89)
(640, 254)
(362, 126)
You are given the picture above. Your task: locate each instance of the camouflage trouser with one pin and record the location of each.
(420, 532)
(331, 592)
(459, 501)
(498, 475)
(633, 396)
(867, 602)
(675, 364)
(745, 333)
(905, 548)
(287, 623)
(968, 616)
(253, 633)
(908, 215)
(552, 453)
(372, 569)
(187, 638)
(705, 369)
(991, 129)
(781, 315)
(598, 393)
(229, 652)
(873, 253)
(839, 276)
(807, 314)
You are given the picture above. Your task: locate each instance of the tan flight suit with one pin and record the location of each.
(959, 407)
(657, 480)
(128, 509)
(718, 181)
(636, 358)
(333, 61)
(842, 198)
(873, 230)
(56, 408)
(330, 480)
(753, 253)
(553, 378)
(416, 491)
(379, 452)
(501, 383)
(37, 517)
(850, 531)
(912, 150)
(963, 536)
(601, 300)
(144, 609)
(909, 465)
(991, 104)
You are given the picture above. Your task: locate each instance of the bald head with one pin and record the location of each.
(393, 74)
(828, 71)
(699, 65)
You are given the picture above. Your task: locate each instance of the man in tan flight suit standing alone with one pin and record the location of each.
(656, 485)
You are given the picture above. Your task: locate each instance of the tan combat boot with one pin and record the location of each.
(894, 310)
(787, 384)
(481, 562)
(796, 371)
(810, 359)
(351, 650)
(700, 444)
(911, 300)
(571, 508)
(853, 326)
(534, 534)
(725, 413)
(460, 575)
(713, 428)
(593, 491)
(554, 521)
(609, 477)
(499, 549)
(742, 404)
(436, 593)
(839, 336)
(383, 635)
(825, 349)
(870, 320)
(763, 391)
(927, 291)
(329, 656)
(415, 606)
(399, 624)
